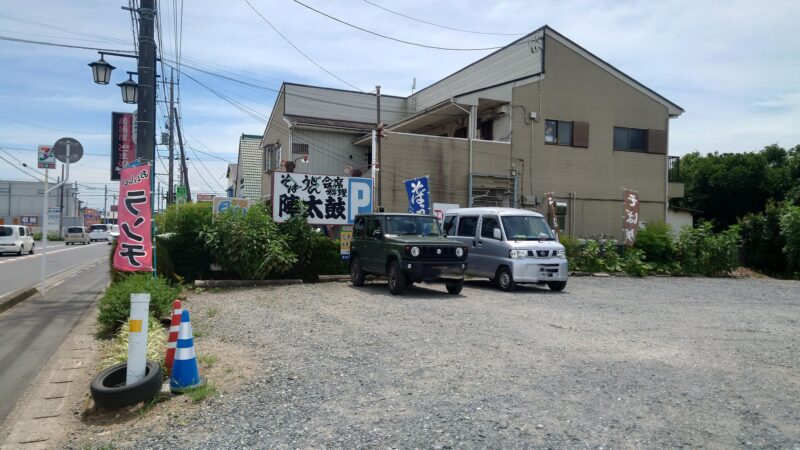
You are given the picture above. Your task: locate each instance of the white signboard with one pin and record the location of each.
(46, 157)
(328, 199)
(52, 218)
(440, 208)
(222, 204)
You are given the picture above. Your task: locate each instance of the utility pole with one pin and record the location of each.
(146, 114)
(183, 157)
(105, 203)
(380, 131)
(61, 205)
(171, 175)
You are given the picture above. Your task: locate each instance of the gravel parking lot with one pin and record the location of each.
(609, 362)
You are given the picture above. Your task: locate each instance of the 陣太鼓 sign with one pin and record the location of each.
(328, 199)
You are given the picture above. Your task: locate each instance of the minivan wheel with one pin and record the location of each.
(357, 275)
(505, 280)
(557, 285)
(397, 279)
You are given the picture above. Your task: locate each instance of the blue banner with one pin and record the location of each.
(419, 195)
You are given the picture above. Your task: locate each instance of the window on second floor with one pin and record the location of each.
(299, 149)
(630, 139)
(557, 132)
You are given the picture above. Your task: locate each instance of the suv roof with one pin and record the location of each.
(494, 210)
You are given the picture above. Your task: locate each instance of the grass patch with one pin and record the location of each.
(116, 350)
(147, 407)
(212, 312)
(208, 361)
(201, 393)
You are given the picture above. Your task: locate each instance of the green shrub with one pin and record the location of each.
(571, 246)
(699, 250)
(115, 306)
(655, 240)
(249, 245)
(762, 241)
(588, 258)
(633, 263)
(51, 236)
(790, 231)
(611, 259)
(180, 226)
(327, 258)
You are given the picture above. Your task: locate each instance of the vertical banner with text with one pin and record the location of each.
(419, 195)
(123, 146)
(630, 222)
(134, 252)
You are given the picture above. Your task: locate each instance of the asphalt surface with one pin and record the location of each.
(608, 363)
(31, 331)
(17, 272)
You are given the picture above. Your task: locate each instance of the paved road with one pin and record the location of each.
(31, 331)
(18, 272)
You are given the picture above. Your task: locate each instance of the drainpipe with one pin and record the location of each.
(472, 123)
(290, 124)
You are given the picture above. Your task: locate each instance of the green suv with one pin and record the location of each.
(407, 248)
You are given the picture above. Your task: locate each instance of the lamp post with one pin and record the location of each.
(130, 89)
(101, 70)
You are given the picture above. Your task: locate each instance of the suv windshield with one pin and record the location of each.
(74, 230)
(412, 226)
(6, 231)
(526, 228)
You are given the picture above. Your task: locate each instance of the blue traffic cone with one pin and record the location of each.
(185, 374)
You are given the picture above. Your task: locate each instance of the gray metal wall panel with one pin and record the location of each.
(514, 62)
(341, 105)
(329, 153)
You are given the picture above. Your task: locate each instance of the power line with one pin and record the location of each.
(297, 48)
(53, 44)
(439, 25)
(435, 47)
(51, 129)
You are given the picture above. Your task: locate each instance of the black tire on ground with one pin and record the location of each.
(505, 280)
(32, 247)
(397, 279)
(109, 390)
(409, 282)
(357, 274)
(557, 285)
(455, 287)
(21, 248)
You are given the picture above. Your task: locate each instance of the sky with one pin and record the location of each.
(732, 65)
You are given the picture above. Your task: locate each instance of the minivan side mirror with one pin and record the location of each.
(497, 234)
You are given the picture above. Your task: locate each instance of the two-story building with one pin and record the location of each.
(539, 115)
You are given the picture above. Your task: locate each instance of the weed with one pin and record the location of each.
(208, 360)
(212, 312)
(147, 407)
(200, 393)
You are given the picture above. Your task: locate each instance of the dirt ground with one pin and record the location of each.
(609, 362)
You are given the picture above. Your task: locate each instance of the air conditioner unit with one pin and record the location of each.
(503, 109)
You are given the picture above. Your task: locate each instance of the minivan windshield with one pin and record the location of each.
(526, 228)
(6, 231)
(99, 228)
(412, 226)
(74, 230)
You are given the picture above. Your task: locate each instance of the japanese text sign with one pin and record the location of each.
(47, 157)
(419, 195)
(345, 239)
(134, 244)
(123, 145)
(630, 221)
(328, 200)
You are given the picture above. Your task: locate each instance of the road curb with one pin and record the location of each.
(329, 278)
(243, 283)
(10, 300)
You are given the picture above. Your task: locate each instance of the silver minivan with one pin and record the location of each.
(509, 246)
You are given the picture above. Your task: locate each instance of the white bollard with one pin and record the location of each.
(137, 338)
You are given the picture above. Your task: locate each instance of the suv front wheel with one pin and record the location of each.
(397, 279)
(357, 274)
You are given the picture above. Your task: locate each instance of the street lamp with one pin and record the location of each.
(130, 89)
(101, 70)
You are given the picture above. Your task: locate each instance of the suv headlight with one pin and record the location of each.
(415, 251)
(459, 252)
(561, 254)
(518, 254)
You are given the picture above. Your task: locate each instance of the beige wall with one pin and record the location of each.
(277, 131)
(574, 89)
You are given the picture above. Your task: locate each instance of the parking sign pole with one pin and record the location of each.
(46, 218)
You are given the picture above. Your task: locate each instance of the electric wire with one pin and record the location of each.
(439, 25)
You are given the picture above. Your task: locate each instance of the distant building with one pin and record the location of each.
(250, 167)
(21, 203)
(233, 180)
(540, 115)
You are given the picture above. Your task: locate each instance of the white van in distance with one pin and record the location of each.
(98, 232)
(509, 246)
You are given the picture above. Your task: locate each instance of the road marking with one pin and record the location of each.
(23, 258)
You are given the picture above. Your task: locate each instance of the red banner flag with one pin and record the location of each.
(134, 244)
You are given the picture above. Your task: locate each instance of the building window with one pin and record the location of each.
(487, 128)
(269, 158)
(557, 132)
(299, 150)
(630, 139)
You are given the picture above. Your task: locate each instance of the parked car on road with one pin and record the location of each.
(407, 248)
(113, 234)
(16, 239)
(98, 232)
(509, 246)
(77, 235)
